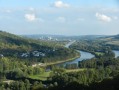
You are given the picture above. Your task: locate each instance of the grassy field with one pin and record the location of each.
(113, 42)
(107, 39)
(42, 76)
(45, 75)
(75, 70)
(99, 53)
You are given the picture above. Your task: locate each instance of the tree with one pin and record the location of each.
(27, 84)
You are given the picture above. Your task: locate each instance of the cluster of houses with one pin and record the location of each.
(34, 53)
(38, 64)
(48, 38)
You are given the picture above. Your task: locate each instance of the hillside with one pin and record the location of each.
(112, 41)
(15, 46)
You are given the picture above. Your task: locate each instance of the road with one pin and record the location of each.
(70, 43)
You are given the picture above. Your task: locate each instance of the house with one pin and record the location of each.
(39, 64)
(24, 54)
(37, 54)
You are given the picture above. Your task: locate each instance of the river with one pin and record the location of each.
(84, 55)
(116, 53)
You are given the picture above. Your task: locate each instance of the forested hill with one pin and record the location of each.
(16, 43)
(15, 46)
(8, 40)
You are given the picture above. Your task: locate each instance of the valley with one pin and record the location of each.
(59, 44)
(44, 63)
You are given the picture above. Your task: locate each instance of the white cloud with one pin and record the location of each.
(60, 4)
(61, 19)
(30, 17)
(103, 17)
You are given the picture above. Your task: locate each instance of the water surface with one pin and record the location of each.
(84, 55)
(116, 53)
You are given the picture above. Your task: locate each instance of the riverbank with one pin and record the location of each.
(58, 62)
(70, 59)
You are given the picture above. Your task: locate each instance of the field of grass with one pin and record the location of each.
(45, 75)
(99, 53)
(42, 76)
(113, 42)
(107, 39)
(74, 70)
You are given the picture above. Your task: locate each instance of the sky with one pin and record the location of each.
(60, 17)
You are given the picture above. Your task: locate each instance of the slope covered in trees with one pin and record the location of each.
(37, 50)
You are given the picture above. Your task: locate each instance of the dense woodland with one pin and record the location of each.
(17, 73)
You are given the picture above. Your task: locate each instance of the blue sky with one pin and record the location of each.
(61, 17)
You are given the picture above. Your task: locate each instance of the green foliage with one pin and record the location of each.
(16, 73)
(15, 46)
